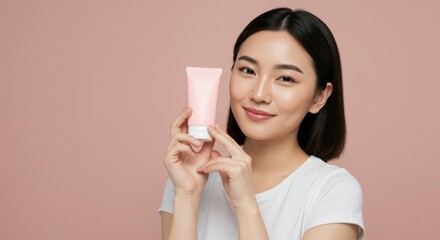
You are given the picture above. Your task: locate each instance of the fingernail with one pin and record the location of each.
(198, 143)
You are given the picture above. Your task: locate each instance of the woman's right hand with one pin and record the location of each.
(182, 162)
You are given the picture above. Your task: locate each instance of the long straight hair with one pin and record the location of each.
(322, 134)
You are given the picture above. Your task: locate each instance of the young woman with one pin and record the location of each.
(286, 121)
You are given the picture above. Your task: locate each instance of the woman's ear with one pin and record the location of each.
(321, 98)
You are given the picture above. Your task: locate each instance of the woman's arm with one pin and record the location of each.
(181, 163)
(236, 175)
(333, 231)
(182, 224)
(251, 224)
(166, 219)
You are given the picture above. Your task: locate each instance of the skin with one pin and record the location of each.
(272, 73)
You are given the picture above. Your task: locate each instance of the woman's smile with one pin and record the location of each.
(258, 115)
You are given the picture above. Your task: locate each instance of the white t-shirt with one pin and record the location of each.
(316, 193)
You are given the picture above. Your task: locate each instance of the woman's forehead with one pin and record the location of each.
(275, 47)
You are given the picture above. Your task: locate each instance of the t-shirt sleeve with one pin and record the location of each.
(168, 198)
(339, 201)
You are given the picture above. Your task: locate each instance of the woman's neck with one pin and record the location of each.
(277, 156)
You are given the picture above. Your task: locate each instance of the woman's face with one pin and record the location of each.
(273, 86)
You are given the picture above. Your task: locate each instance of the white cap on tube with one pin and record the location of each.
(200, 133)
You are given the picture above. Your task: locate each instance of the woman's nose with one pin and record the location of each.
(262, 91)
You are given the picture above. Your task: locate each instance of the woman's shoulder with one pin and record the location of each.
(333, 184)
(329, 174)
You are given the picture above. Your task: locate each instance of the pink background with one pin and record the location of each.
(88, 90)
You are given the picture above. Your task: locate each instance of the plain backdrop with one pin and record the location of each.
(88, 90)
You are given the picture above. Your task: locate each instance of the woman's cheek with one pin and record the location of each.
(294, 100)
(236, 90)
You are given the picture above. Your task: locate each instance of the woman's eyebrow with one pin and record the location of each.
(249, 59)
(289, 67)
(278, 66)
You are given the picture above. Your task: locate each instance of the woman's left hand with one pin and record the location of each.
(235, 171)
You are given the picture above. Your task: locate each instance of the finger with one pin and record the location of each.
(179, 125)
(177, 150)
(228, 170)
(227, 141)
(184, 138)
(218, 128)
(218, 165)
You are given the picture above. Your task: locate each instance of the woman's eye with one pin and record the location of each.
(246, 70)
(286, 79)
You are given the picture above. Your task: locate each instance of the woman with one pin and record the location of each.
(286, 121)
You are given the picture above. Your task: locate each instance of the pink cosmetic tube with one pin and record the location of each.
(202, 98)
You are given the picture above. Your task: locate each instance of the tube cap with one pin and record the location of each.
(200, 133)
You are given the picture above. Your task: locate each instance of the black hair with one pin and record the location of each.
(322, 134)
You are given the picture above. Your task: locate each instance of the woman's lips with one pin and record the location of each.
(257, 115)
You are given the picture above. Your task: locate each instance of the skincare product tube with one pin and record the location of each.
(202, 98)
